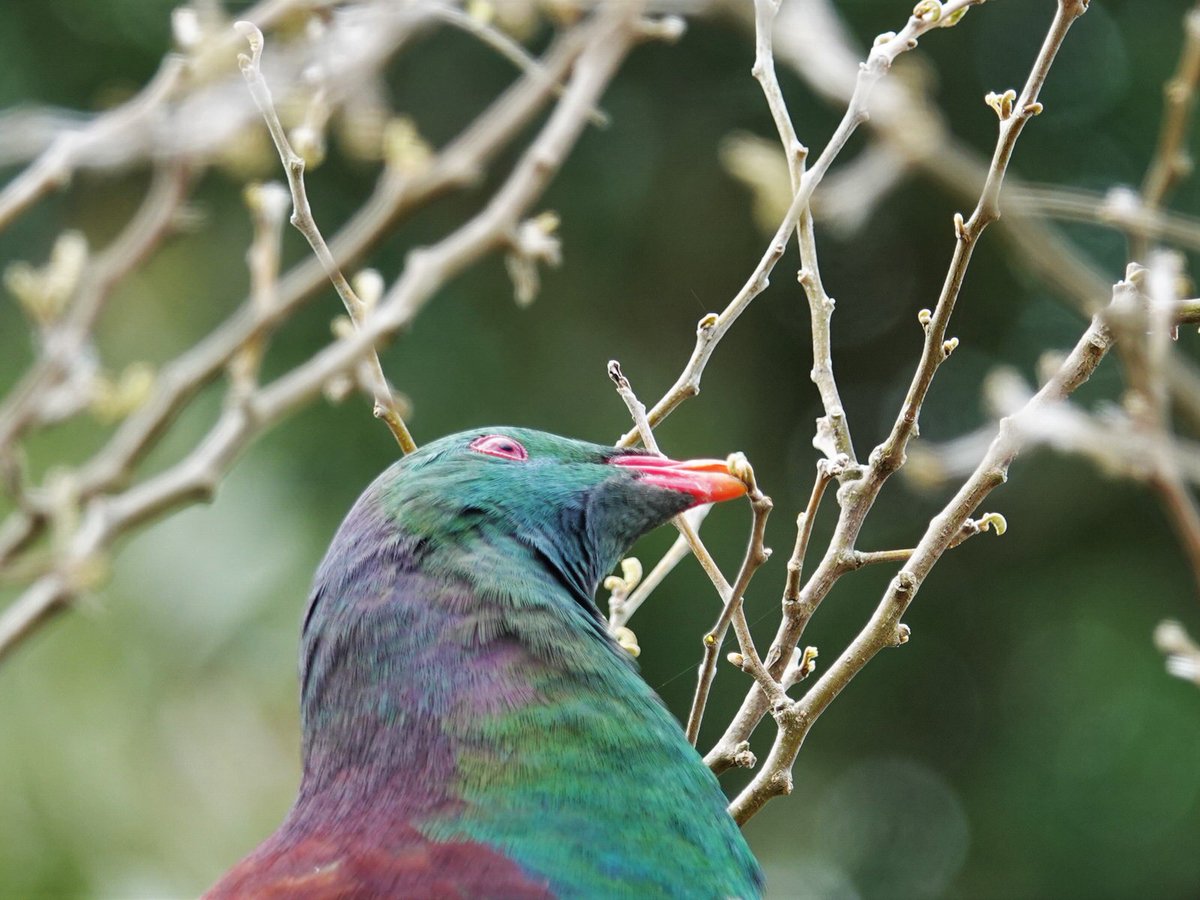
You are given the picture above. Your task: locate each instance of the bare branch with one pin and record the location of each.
(885, 628)
(1171, 161)
(857, 496)
(65, 341)
(1014, 112)
(1142, 317)
(1119, 208)
(725, 752)
(268, 209)
(1146, 351)
(970, 528)
(871, 557)
(510, 50)
(731, 596)
(833, 430)
(713, 327)
(56, 165)
(622, 611)
(637, 409)
(811, 40)
(804, 526)
(604, 42)
(386, 407)
(756, 555)
(399, 192)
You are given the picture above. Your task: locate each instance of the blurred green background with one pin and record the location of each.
(1025, 743)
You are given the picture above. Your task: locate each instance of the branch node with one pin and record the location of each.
(1002, 103)
(782, 783)
(627, 640)
(533, 241)
(742, 756)
(369, 285)
(802, 664)
(668, 29)
(954, 18)
(993, 521)
(630, 577)
(960, 229)
(928, 11)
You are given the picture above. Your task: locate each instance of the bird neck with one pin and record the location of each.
(415, 652)
(464, 696)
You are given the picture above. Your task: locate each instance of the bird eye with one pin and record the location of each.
(501, 446)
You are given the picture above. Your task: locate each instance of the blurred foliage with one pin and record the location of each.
(1026, 742)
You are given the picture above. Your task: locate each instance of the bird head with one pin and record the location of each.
(577, 506)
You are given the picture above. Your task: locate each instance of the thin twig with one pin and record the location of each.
(57, 164)
(1145, 344)
(713, 327)
(1119, 208)
(1171, 160)
(756, 555)
(637, 409)
(731, 596)
(884, 628)
(1014, 113)
(857, 496)
(726, 751)
(970, 528)
(397, 194)
(1142, 317)
(687, 527)
(510, 50)
(302, 219)
(906, 120)
(804, 527)
(872, 557)
(66, 341)
(833, 430)
(268, 210)
(620, 614)
(605, 42)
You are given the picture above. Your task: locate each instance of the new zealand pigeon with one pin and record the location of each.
(470, 729)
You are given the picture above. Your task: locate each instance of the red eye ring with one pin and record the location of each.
(501, 446)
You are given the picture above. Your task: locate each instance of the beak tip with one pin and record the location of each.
(706, 480)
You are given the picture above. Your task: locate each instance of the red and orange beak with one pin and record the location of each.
(707, 480)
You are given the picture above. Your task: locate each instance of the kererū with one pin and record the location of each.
(470, 729)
